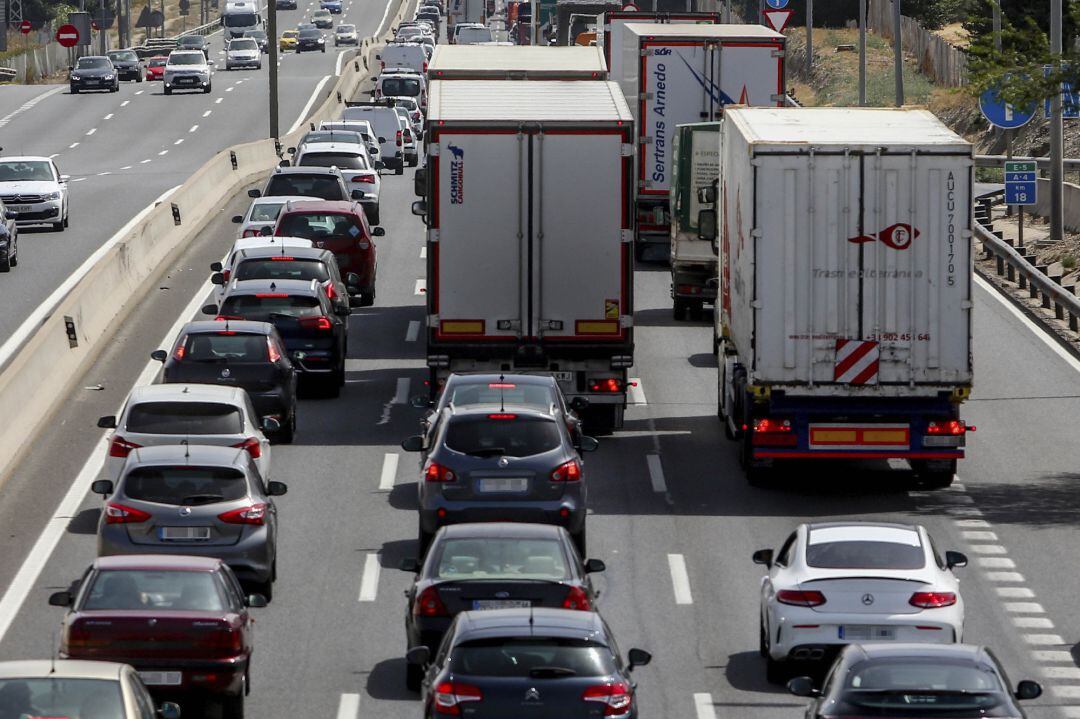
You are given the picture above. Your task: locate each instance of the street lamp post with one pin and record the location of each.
(1057, 205)
(271, 15)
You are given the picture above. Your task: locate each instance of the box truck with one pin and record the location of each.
(844, 326)
(696, 167)
(610, 37)
(675, 74)
(529, 269)
(462, 11)
(530, 62)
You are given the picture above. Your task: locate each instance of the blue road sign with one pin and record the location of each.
(1070, 100)
(777, 4)
(1003, 114)
(1021, 187)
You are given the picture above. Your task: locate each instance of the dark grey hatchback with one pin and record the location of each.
(529, 663)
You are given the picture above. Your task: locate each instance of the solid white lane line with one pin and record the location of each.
(369, 582)
(413, 331)
(996, 562)
(163, 152)
(28, 104)
(656, 473)
(1052, 655)
(73, 145)
(207, 113)
(79, 179)
(1015, 593)
(1043, 639)
(1032, 623)
(91, 131)
(635, 393)
(1035, 330)
(389, 471)
(1024, 608)
(349, 706)
(401, 394)
(421, 285)
(979, 536)
(703, 706)
(193, 128)
(386, 11)
(310, 102)
(179, 142)
(680, 579)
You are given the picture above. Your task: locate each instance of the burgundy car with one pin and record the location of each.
(340, 227)
(182, 622)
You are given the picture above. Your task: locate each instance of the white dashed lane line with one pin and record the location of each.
(421, 287)
(218, 101)
(54, 155)
(413, 331)
(179, 142)
(207, 113)
(401, 395)
(229, 89)
(703, 706)
(139, 92)
(78, 179)
(143, 162)
(125, 103)
(193, 128)
(349, 706)
(126, 167)
(656, 473)
(389, 471)
(423, 252)
(73, 145)
(680, 579)
(163, 152)
(369, 582)
(108, 117)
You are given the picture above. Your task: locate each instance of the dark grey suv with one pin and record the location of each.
(500, 463)
(9, 239)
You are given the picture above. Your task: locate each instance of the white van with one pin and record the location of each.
(240, 17)
(471, 34)
(406, 54)
(401, 84)
(384, 120)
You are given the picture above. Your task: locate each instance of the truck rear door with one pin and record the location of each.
(752, 73)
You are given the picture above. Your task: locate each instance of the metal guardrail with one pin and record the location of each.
(1071, 163)
(207, 29)
(1016, 265)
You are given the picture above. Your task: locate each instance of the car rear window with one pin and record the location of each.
(243, 44)
(187, 486)
(933, 685)
(226, 346)
(125, 589)
(266, 309)
(864, 547)
(282, 268)
(266, 211)
(531, 657)
(499, 558)
(503, 393)
(347, 160)
(184, 418)
(513, 437)
(319, 226)
(400, 86)
(58, 697)
(325, 187)
(473, 34)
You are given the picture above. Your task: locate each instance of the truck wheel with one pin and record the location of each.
(934, 474)
(755, 475)
(414, 675)
(600, 420)
(232, 706)
(679, 309)
(696, 311)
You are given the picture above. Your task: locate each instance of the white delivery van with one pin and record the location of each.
(238, 18)
(404, 54)
(384, 121)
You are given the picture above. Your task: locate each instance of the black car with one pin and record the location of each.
(93, 72)
(528, 662)
(310, 39)
(9, 239)
(237, 353)
(295, 263)
(960, 681)
(314, 332)
(285, 4)
(194, 42)
(260, 37)
(431, 14)
(128, 65)
(496, 565)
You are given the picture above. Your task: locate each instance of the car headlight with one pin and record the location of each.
(53, 195)
(109, 76)
(75, 77)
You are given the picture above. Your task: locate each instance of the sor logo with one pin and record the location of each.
(662, 51)
(457, 174)
(898, 236)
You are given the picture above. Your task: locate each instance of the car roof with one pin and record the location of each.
(340, 147)
(186, 392)
(60, 669)
(309, 288)
(276, 199)
(860, 524)
(238, 326)
(24, 158)
(514, 530)
(306, 170)
(247, 243)
(884, 650)
(541, 380)
(539, 621)
(340, 206)
(162, 561)
(189, 454)
(259, 253)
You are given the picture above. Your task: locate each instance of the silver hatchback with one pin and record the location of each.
(194, 500)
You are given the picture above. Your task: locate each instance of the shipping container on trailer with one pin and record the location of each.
(610, 38)
(529, 235)
(677, 74)
(693, 248)
(844, 327)
(499, 62)
(459, 11)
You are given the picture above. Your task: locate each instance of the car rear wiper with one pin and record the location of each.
(551, 672)
(279, 316)
(202, 498)
(484, 451)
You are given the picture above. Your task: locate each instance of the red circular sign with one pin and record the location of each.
(24, 27)
(67, 35)
(94, 25)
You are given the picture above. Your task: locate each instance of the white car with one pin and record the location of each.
(384, 121)
(360, 127)
(33, 188)
(262, 212)
(187, 70)
(249, 243)
(412, 107)
(243, 52)
(471, 33)
(836, 583)
(408, 136)
(345, 35)
(355, 165)
(55, 687)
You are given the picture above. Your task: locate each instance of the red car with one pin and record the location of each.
(155, 67)
(340, 227)
(182, 622)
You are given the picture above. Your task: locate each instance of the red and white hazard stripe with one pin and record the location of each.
(856, 362)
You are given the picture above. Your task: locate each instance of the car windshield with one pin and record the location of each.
(187, 486)
(864, 547)
(531, 657)
(502, 433)
(241, 19)
(125, 55)
(282, 268)
(290, 33)
(226, 346)
(325, 187)
(184, 418)
(26, 171)
(157, 62)
(92, 63)
(190, 41)
(502, 393)
(260, 308)
(243, 44)
(400, 86)
(473, 34)
(265, 211)
(57, 697)
(346, 28)
(317, 226)
(930, 684)
(308, 34)
(127, 589)
(499, 558)
(187, 58)
(344, 160)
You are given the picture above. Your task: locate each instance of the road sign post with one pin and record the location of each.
(1021, 188)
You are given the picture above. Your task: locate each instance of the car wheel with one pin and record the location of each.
(934, 474)
(679, 309)
(423, 541)
(206, 90)
(58, 226)
(65, 220)
(400, 169)
(763, 642)
(168, 91)
(367, 299)
(139, 78)
(414, 675)
(232, 706)
(264, 588)
(14, 258)
(5, 265)
(259, 66)
(580, 540)
(116, 87)
(414, 162)
(74, 90)
(324, 48)
(285, 436)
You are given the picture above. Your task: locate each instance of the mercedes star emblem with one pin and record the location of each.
(151, 622)
(503, 461)
(502, 595)
(185, 511)
(532, 695)
(868, 599)
(225, 372)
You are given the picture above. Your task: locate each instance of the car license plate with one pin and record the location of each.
(505, 484)
(563, 376)
(169, 679)
(866, 632)
(20, 208)
(481, 604)
(185, 533)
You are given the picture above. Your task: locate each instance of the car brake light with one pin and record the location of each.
(429, 604)
(615, 696)
(448, 695)
(501, 385)
(272, 351)
(253, 514)
(331, 293)
(567, 472)
(271, 295)
(247, 233)
(180, 351)
(502, 416)
(282, 258)
(606, 385)
(120, 447)
(799, 598)
(576, 598)
(932, 600)
(399, 137)
(425, 65)
(948, 427)
(122, 514)
(316, 323)
(435, 472)
(252, 446)
(226, 318)
(369, 178)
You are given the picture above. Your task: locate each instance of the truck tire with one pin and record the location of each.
(696, 310)
(679, 310)
(934, 474)
(600, 419)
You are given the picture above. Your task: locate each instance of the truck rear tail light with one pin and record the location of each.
(252, 446)
(429, 604)
(435, 472)
(610, 384)
(932, 600)
(576, 598)
(567, 472)
(774, 432)
(122, 514)
(948, 427)
(799, 598)
(253, 514)
(120, 447)
(320, 323)
(450, 695)
(615, 696)
(688, 289)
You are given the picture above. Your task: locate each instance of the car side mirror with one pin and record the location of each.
(291, 151)
(420, 208)
(64, 599)
(269, 424)
(955, 559)
(706, 195)
(413, 444)
(237, 219)
(159, 355)
(378, 232)
(357, 194)
(763, 556)
(706, 220)
(379, 164)
(255, 601)
(217, 278)
(579, 403)
(1028, 689)
(637, 658)
(70, 68)
(107, 422)
(802, 687)
(420, 182)
(421, 402)
(589, 444)
(283, 163)
(210, 310)
(592, 566)
(374, 79)
(409, 564)
(378, 56)
(418, 656)
(382, 140)
(215, 267)
(277, 489)
(104, 487)
(254, 193)
(169, 710)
